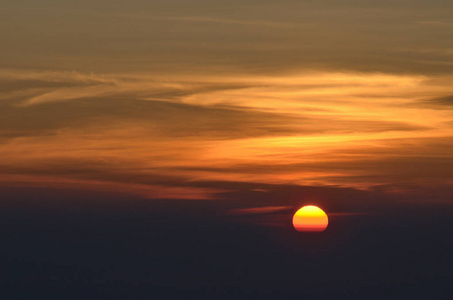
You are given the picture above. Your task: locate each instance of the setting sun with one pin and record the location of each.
(310, 218)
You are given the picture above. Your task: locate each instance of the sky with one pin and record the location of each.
(244, 110)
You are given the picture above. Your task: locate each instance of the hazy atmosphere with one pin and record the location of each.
(234, 113)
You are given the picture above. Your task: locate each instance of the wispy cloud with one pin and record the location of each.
(201, 19)
(360, 130)
(142, 190)
(259, 210)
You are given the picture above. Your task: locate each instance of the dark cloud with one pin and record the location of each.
(166, 117)
(11, 85)
(219, 121)
(441, 101)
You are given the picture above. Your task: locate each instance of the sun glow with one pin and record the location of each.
(310, 218)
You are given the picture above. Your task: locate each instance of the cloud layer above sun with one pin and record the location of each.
(167, 100)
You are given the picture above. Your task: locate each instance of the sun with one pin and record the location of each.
(310, 218)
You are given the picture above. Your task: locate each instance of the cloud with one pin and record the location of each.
(358, 130)
(152, 191)
(202, 19)
(246, 36)
(441, 101)
(259, 210)
(221, 100)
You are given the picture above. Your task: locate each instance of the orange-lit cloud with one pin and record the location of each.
(360, 130)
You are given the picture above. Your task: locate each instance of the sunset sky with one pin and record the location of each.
(254, 107)
(160, 98)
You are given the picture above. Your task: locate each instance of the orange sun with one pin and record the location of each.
(310, 218)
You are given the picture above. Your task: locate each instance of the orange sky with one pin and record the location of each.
(175, 101)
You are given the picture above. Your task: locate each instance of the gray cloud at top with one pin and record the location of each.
(242, 36)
